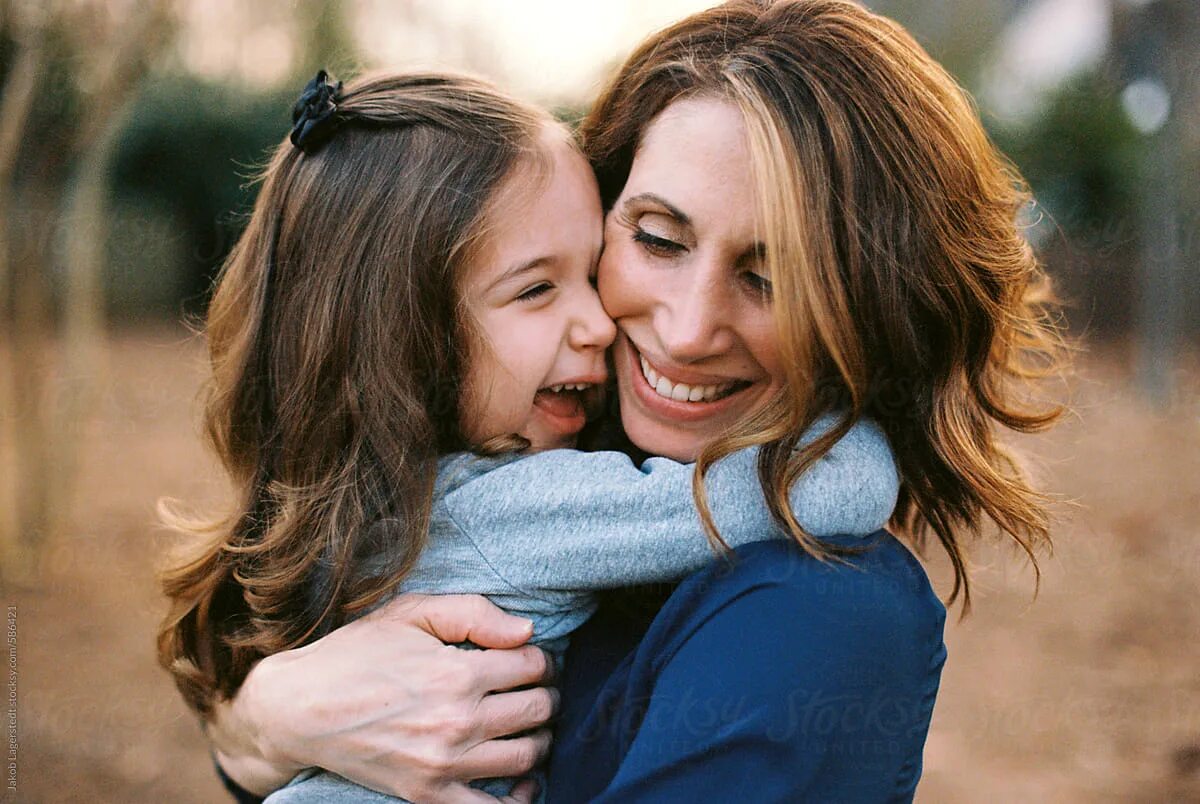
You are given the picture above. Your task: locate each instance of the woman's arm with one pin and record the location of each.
(420, 718)
(567, 520)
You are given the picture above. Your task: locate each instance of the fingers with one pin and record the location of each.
(507, 669)
(460, 618)
(505, 713)
(516, 756)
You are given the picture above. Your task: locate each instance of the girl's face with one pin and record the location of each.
(683, 277)
(530, 292)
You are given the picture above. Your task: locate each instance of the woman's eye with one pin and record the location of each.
(758, 283)
(535, 291)
(657, 245)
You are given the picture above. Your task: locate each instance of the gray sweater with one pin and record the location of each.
(540, 534)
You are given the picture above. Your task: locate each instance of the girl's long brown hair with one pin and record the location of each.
(903, 288)
(337, 347)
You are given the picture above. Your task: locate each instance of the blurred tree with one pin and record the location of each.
(1080, 156)
(955, 32)
(1157, 53)
(23, 27)
(194, 148)
(190, 154)
(325, 38)
(100, 51)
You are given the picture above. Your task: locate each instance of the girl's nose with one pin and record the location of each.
(591, 328)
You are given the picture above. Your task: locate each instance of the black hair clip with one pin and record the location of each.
(314, 117)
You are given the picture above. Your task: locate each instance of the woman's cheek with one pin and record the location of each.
(762, 338)
(620, 292)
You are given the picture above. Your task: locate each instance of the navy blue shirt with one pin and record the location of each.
(774, 678)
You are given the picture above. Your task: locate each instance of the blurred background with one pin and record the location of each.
(129, 132)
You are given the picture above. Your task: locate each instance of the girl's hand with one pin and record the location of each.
(383, 702)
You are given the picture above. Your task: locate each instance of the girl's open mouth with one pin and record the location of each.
(567, 405)
(564, 403)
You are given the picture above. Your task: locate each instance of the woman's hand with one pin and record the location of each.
(383, 702)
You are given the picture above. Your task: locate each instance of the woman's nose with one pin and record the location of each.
(692, 322)
(591, 327)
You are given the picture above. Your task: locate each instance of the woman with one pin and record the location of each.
(464, 229)
(817, 141)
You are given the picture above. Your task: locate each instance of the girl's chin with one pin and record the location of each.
(544, 446)
(542, 439)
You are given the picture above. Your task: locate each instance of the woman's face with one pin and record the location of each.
(682, 275)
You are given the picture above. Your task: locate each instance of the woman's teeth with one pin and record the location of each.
(680, 392)
(571, 386)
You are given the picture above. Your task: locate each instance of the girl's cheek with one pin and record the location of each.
(480, 413)
(468, 413)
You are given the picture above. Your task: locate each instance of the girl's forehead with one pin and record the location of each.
(548, 212)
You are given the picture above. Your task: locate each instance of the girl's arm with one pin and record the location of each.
(567, 520)
(420, 718)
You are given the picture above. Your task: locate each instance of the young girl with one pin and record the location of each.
(404, 343)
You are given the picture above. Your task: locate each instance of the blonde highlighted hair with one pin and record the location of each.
(903, 289)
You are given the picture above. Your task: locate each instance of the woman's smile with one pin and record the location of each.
(662, 392)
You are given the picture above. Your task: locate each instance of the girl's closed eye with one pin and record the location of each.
(538, 290)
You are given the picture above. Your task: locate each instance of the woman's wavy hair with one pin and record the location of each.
(338, 344)
(903, 288)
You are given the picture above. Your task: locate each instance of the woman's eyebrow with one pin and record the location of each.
(756, 253)
(674, 211)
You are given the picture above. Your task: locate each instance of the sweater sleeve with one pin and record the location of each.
(567, 521)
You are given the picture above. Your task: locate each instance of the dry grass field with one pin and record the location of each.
(1089, 693)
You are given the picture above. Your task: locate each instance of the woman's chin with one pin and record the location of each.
(657, 435)
(655, 438)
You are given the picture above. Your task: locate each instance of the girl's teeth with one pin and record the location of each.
(680, 392)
